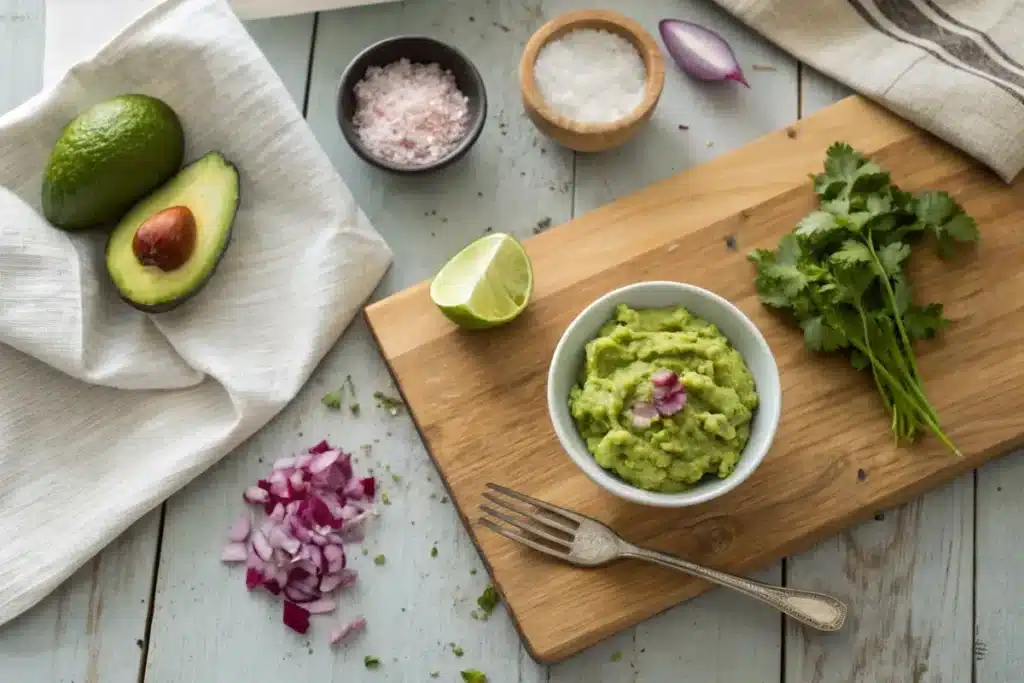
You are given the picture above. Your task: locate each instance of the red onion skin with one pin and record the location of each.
(715, 62)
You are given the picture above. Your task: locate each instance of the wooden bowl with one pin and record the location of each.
(591, 137)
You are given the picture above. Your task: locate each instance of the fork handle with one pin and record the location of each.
(820, 611)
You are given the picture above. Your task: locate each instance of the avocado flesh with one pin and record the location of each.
(209, 188)
(107, 158)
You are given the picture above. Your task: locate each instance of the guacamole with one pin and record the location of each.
(663, 399)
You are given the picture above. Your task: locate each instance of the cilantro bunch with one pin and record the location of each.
(840, 277)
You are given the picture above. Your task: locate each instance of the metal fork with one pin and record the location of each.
(585, 542)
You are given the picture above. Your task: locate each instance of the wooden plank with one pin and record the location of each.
(906, 574)
(796, 497)
(416, 604)
(999, 596)
(700, 635)
(91, 628)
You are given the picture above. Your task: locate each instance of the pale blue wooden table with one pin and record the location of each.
(933, 586)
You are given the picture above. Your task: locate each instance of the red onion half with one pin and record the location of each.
(700, 52)
(313, 505)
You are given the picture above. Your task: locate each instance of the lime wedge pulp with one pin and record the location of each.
(486, 284)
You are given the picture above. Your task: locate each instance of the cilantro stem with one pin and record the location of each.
(908, 348)
(910, 399)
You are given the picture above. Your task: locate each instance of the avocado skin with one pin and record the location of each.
(108, 157)
(198, 286)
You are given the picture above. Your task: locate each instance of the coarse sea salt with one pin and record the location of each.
(590, 76)
(409, 113)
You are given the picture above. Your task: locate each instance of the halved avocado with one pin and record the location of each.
(167, 247)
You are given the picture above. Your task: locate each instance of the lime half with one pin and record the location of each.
(486, 284)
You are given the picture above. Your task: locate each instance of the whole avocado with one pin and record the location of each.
(109, 157)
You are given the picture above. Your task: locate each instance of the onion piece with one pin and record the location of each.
(330, 583)
(321, 606)
(643, 414)
(255, 494)
(235, 552)
(261, 546)
(664, 378)
(343, 631)
(324, 460)
(671, 403)
(295, 617)
(700, 52)
(239, 530)
(284, 463)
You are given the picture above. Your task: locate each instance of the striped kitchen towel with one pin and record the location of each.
(953, 67)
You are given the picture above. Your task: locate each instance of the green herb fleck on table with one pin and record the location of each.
(396, 478)
(457, 650)
(371, 662)
(433, 551)
(616, 656)
(332, 399)
(839, 275)
(354, 409)
(472, 572)
(487, 601)
(473, 676)
(350, 386)
(388, 403)
(385, 498)
(435, 674)
(365, 551)
(379, 560)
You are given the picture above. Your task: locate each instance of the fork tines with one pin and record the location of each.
(534, 523)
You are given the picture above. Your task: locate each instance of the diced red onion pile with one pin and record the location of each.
(313, 505)
(668, 397)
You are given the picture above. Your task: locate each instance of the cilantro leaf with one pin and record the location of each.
(901, 292)
(934, 208)
(923, 322)
(473, 676)
(838, 207)
(487, 601)
(820, 335)
(945, 219)
(817, 226)
(841, 161)
(892, 257)
(332, 399)
(852, 254)
(878, 203)
(962, 228)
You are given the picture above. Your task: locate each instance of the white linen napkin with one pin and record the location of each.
(66, 42)
(105, 411)
(953, 67)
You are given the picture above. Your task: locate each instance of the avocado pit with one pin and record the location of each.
(166, 239)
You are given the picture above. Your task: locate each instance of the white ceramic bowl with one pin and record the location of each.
(738, 328)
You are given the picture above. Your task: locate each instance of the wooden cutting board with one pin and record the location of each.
(479, 398)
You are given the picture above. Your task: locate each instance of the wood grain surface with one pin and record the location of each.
(478, 398)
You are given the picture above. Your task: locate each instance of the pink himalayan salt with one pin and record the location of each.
(410, 114)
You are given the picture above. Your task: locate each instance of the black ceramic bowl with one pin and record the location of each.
(416, 49)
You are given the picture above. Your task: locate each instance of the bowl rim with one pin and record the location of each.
(613, 484)
(460, 149)
(642, 40)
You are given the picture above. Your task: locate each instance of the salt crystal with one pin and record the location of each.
(590, 76)
(410, 114)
